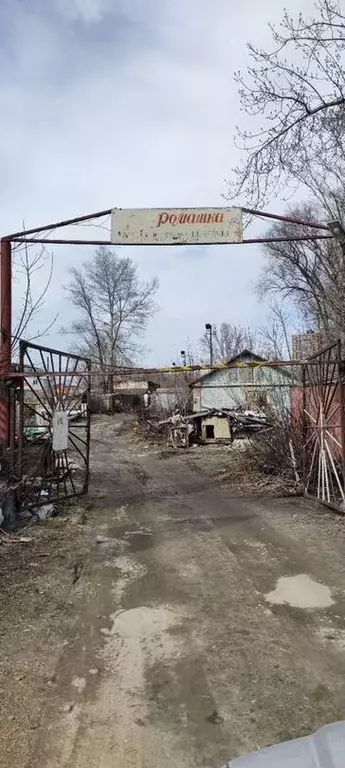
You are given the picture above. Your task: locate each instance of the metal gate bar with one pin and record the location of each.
(46, 475)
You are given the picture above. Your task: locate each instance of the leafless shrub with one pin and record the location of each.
(33, 272)
(154, 419)
(277, 450)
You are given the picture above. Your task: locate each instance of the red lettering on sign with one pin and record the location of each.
(163, 218)
(190, 218)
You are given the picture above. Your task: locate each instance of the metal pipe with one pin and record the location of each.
(59, 241)
(247, 385)
(173, 369)
(57, 224)
(5, 338)
(296, 239)
(288, 219)
(248, 241)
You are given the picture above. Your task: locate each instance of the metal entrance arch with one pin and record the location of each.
(180, 226)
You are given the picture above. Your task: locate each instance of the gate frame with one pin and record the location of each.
(56, 399)
(328, 372)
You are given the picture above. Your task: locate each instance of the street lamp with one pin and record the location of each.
(208, 328)
(183, 356)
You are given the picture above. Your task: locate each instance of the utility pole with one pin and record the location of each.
(208, 328)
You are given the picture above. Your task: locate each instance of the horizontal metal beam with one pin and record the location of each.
(60, 241)
(246, 384)
(29, 345)
(296, 239)
(288, 219)
(58, 224)
(123, 372)
(248, 241)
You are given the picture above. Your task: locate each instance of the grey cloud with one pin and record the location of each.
(130, 104)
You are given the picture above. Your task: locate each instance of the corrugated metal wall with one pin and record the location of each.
(250, 388)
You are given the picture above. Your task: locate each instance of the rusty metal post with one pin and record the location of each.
(5, 338)
(341, 409)
(88, 429)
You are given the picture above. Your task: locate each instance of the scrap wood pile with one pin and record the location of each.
(247, 422)
(182, 429)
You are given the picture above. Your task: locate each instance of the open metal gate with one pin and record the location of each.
(324, 427)
(53, 440)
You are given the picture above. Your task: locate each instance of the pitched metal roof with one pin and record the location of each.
(236, 358)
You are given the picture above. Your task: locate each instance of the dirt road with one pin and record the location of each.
(151, 625)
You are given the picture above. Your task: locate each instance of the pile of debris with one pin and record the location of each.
(210, 426)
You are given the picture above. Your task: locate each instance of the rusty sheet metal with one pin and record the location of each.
(180, 226)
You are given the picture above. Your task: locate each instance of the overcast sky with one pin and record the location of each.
(131, 103)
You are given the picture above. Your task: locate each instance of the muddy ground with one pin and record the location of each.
(136, 628)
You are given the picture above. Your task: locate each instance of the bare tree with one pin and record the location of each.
(275, 335)
(294, 95)
(29, 268)
(311, 275)
(113, 307)
(228, 340)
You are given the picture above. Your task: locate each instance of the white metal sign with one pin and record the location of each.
(60, 431)
(176, 226)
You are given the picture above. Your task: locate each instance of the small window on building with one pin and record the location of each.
(209, 432)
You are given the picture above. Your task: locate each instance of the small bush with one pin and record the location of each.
(277, 450)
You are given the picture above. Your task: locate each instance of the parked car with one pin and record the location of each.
(323, 749)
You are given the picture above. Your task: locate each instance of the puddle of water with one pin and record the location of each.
(300, 592)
